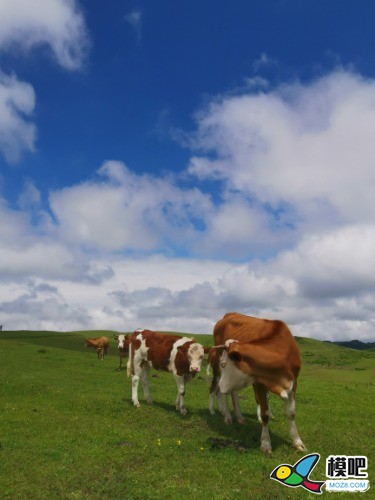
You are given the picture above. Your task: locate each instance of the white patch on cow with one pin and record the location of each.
(176, 345)
(232, 378)
(121, 341)
(284, 395)
(195, 355)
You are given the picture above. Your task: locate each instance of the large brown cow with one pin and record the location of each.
(100, 344)
(180, 355)
(123, 346)
(262, 353)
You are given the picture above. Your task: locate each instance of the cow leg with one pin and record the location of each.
(145, 379)
(121, 357)
(213, 393)
(262, 400)
(290, 412)
(135, 382)
(224, 407)
(269, 412)
(236, 407)
(180, 400)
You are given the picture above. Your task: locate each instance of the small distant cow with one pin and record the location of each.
(100, 344)
(181, 356)
(262, 353)
(123, 346)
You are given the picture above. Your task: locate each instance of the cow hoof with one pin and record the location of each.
(137, 405)
(267, 452)
(183, 411)
(228, 420)
(300, 446)
(241, 420)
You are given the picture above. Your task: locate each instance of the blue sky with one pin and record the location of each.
(162, 163)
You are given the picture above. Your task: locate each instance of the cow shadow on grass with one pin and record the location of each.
(241, 437)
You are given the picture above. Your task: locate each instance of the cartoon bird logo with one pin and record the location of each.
(298, 474)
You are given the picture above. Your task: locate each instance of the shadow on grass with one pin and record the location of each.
(241, 437)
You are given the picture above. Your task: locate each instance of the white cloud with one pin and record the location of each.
(135, 21)
(145, 212)
(25, 25)
(17, 103)
(309, 146)
(288, 234)
(55, 23)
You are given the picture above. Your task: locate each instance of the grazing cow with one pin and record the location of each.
(100, 344)
(180, 355)
(123, 346)
(262, 353)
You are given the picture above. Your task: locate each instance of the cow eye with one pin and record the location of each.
(235, 356)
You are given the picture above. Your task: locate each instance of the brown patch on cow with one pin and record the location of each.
(182, 360)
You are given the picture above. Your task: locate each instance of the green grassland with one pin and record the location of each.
(68, 428)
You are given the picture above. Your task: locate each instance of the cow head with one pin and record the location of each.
(194, 354)
(233, 366)
(122, 341)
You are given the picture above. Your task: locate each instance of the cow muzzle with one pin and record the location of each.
(194, 369)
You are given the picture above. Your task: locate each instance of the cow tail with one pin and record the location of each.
(129, 364)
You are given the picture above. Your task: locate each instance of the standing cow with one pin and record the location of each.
(100, 344)
(181, 356)
(262, 353)
(123, 346)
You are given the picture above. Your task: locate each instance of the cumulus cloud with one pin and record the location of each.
(145, 212)
(308, 146)
(39, 307)
(288, 232)
(17, 103)
(56, 24)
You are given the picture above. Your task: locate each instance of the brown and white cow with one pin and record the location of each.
(100, 344)
(181, 356)
(262, 353)
(123, 346)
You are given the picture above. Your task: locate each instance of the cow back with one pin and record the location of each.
(269, 343)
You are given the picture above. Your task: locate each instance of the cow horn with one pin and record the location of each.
(222, 346)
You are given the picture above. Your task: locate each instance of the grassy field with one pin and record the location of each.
(69, 430)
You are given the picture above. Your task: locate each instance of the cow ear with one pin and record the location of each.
(235, 356)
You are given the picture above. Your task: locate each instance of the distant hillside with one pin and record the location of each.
(355, 344)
